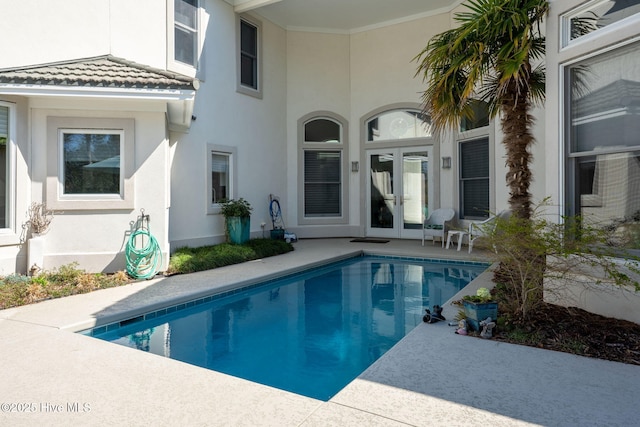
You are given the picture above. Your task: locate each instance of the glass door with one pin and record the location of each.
(399, 184)
(382, 201)
(416, 181)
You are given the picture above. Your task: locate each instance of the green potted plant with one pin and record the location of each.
(237, 215)
(478, 307)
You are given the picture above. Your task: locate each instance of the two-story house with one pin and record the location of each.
(111, 107)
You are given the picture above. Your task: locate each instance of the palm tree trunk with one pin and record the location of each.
(516, 125)
(525, 271)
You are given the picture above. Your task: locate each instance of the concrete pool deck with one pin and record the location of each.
(433, 377)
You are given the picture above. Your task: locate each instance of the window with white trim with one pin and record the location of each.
(479, 116)
(184, 38)
(398, 124)
(322, 170)
(322, 183)
(474, 178)
(603, 142)
(474, 163)
(249, 57)
(94, 167)
(594, 16)
(221, 177)
(6, 161)
(90, 161)
(185, 33)
(220, 174)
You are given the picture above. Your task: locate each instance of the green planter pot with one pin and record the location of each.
(477, 312)
(238, 229)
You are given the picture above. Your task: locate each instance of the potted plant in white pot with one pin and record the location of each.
(478, 307)
(237, 216)
(38, 224)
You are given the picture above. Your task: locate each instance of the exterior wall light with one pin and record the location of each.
(446, 163)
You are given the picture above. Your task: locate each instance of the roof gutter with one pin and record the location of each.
(179, 102)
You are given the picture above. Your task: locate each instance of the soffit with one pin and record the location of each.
(342, 16)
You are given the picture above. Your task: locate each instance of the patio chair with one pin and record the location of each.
(485, 228)
(436, 224)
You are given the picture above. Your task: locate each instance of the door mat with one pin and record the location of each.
(369, 240)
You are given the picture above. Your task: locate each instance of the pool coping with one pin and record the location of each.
(188, 298)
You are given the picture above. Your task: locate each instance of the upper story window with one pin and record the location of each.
(183, 37)
(398, 124)
(596, 15)
(186, 32)
(249, 57)
(479, 116)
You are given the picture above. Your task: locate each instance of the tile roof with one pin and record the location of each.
(98, 72)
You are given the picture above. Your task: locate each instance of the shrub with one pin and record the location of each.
(16, 290)
(190, 260)
(529, 250)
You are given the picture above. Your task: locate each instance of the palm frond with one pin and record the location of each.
(489, 56)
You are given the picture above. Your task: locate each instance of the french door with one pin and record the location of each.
(398, 188)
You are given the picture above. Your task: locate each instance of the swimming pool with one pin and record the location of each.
(310, 333)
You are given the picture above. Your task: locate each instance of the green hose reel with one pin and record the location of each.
(142, 252)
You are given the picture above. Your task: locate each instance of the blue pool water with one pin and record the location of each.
(310, 333)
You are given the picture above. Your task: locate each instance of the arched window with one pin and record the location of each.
(398, 124)
(322, 130)
(322, 159)
(322, 169)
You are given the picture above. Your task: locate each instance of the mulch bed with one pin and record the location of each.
(576, 331)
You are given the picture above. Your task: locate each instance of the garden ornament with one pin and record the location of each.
(434, 317)
(487, 326)
(462, 327)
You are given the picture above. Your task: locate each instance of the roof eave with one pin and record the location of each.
(178, 102)
(29, 90)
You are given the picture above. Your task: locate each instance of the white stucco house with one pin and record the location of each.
(110, 107)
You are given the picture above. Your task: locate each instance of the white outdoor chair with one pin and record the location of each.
(485, 228)
(436, 224)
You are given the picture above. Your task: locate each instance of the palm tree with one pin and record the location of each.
(491, 56)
